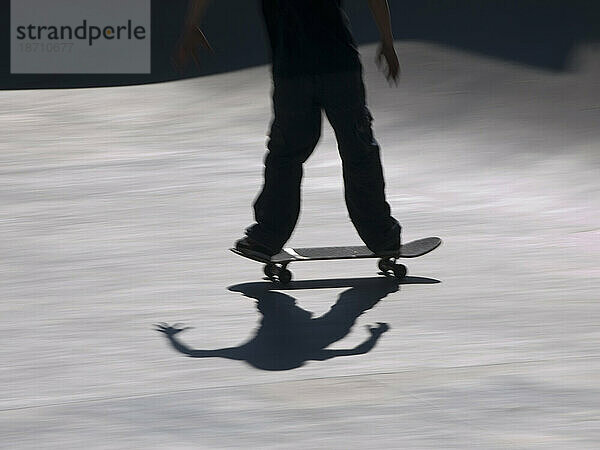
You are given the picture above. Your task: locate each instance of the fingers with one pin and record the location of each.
(381, 328)
(392, 67)
(170, 329)
(393, 70)
(161, 328)
(379, 58)
(393, 75)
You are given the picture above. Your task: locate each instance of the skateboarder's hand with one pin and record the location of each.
(379, 329)
(188, 47)
(392, 65)
(170, 330)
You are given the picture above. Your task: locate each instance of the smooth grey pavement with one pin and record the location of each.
(117, 207)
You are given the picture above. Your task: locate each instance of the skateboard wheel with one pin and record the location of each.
(270, 270)
(285, 276)
(399, 271)
(385, 265)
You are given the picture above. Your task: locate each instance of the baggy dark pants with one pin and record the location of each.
(295, 131)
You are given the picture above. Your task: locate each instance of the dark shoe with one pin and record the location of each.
(251, 247)
(387, 249)
(387, 242)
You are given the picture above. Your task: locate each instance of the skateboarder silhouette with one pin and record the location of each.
(316, 68)
(289, 336)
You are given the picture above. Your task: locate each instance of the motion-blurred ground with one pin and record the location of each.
(118, 206)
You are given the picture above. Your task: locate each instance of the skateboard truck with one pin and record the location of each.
(278, 272)
(389, 266)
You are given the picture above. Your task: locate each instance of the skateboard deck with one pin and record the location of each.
(276, 265)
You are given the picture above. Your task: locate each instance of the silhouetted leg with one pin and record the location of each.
(343, 98)
(295, 132)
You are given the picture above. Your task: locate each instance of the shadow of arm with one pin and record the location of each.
(229, 353)
(361, 349)
(171, 331)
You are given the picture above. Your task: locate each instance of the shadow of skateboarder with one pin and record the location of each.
(289, 336)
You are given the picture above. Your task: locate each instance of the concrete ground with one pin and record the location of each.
(118, 207)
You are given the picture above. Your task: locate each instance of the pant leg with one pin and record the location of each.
(295, 132)
(343, 98)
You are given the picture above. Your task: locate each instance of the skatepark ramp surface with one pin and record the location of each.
(119, 206)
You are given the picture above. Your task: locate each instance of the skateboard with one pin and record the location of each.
(276, 267)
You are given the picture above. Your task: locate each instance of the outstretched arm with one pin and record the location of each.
(361, 349)
(192, 35)
(170, 332)
(381, 14)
